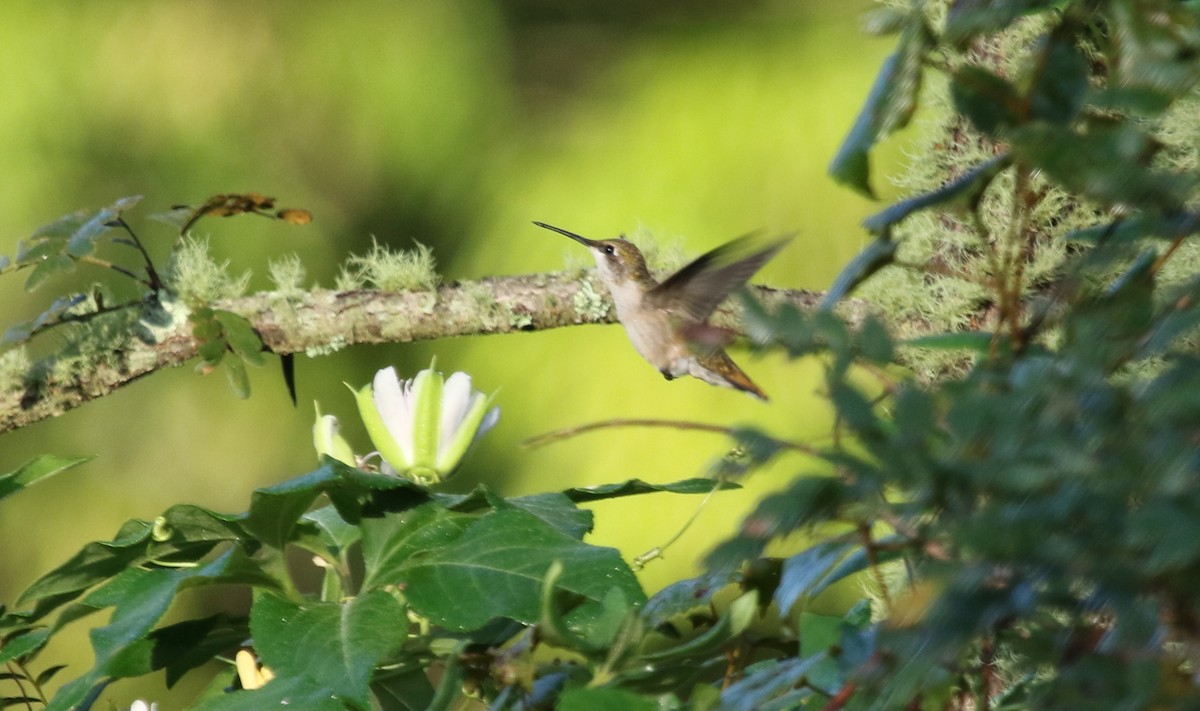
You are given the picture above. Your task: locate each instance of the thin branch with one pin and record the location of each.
(568, 432)
(323, 321)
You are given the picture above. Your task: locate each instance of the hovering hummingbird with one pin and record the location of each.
(667, 322)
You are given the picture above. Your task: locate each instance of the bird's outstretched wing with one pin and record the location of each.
(695, 291)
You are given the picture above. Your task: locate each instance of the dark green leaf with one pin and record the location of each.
(685, 596)
(289, 693)
(635, 487)
(968, 18)
(35, 470)
(186, 645)
(24, 644)
(806, 574)
(991, 103)
(241, 336)
(604, 700)
(389, 542)
(95, 563)
(48, 673)
(337, 534)
(873, 342)
(410, 691)
(963, 192)
(1110, 164)
(495, 569)
(889, 106)
(275, 511)
(559, 511)
(334, 645)
(876, 256)
(1061, 82)
(1159, 45)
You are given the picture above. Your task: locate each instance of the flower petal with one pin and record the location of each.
(456, 398)
(389, 449)
(456, 447)
(393, 400)
(426, 400)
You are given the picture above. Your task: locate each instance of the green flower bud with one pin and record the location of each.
(326, 439)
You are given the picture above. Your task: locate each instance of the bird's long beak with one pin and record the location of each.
(578, 238)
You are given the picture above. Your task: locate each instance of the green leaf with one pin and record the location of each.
(889, 107)
(276, 511)
(604, 700)
(82, 241)
(1159, 41)
(806, 574)
(189, 644)
(685, 596)
(24, 644)
(35, 470)
(336, 532)
(1109, 163)
(880, 253)
(635, 487)
(737, 618)
(241, 336)
(559, 511)
(298, 693)
(236, 376)
(140, 598)
(991, 103)
(1058, 89)
(410, 691)
(495, 569)
(95, 563)
(963, 192)
(389, 542)
(331, 645)
(780, 686)
(968, 18)
(48, 267)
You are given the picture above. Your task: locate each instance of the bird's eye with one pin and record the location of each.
(609, 249)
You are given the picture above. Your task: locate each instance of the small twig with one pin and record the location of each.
(657, 551)
(988, 659)
(156, 283)
(1162, 260)
(841, 698)
(568, 432)
(105, 264)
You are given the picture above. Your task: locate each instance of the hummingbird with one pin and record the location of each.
(668, 322)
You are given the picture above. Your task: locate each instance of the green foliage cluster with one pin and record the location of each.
(1028, 525)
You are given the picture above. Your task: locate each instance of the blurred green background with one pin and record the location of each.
(451, 122)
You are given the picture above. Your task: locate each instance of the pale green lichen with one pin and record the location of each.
(333, 346)
(589, 301)
(288, 275)
(390, 270)
(197, 277)
(15, 365)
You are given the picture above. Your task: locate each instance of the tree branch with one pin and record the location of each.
(323, 321)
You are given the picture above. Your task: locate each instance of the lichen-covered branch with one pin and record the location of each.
(323, 321)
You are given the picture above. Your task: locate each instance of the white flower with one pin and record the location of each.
(423, 427)
(140, 705)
